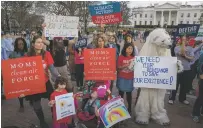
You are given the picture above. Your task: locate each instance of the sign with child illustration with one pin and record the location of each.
(61, 26)
(81, 43)
(106, 13)
(113, 112)
(23, 76)
(100, 64)
(155, 72)
(64, 106)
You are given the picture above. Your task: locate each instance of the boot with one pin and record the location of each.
(40, 116)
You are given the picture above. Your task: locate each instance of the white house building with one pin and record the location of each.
(169, 14)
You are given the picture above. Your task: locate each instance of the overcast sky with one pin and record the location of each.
(147, 3)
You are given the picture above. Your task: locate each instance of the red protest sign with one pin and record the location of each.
(23, 76)
(107, 19)
(100, 64)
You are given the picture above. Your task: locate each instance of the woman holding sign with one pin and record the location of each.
(20, 48)
(125, 73)
(47, 60)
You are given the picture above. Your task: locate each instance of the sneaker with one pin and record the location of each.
(186, 102)
(171, 102)
(196, 119)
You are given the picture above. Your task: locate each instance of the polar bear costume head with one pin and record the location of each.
(158, 43)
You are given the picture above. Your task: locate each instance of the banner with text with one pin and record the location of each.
(155, 72)
(81, 43)
(187, 29)
(64, 106)
(113, 112)
(23, 76)
(100, 64)
(106, 13)
(61, 26)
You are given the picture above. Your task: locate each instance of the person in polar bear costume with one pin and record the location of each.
(150, 103)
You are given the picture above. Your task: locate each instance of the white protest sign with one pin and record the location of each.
(64, 106)
(155, 72)
(61, 26)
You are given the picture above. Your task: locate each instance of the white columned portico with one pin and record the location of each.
(177, 17)
(169, 18)
(162, 18)
(154, 17)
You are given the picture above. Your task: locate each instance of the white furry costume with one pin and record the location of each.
(150, 103)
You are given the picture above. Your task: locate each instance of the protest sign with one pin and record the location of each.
(23, 76)
(81, 43)
(155, 72)
(106, 13)
(200, 34)
(100, 64)
(64, 106)
(187, 29)
(113, 112)
(61, 26)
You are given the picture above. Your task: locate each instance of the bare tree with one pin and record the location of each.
(126, 12)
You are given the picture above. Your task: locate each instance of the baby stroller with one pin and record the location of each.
(87, 113)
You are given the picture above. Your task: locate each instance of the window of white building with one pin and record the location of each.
(150, 22)
(181, 22)
(195, 15)
(135, 15)
(145, 15)
(145, 22)
(188, 15)
(188, 22)
(194, 22)
(182, 14)
(172, 23)
(158, 22)
(151, 16)
(140, 22)
(135, 23)
(141, 15)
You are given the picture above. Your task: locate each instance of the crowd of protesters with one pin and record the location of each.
(61, 59)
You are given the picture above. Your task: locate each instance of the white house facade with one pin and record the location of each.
(167, 14)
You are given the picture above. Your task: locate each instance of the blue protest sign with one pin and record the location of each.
(105, 9)
(187, 29)
(81, 43)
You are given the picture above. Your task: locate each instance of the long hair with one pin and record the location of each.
(125, 47)
(128, 35)
(32, 52)
(102, 37)
(114, 36)
(16, 49)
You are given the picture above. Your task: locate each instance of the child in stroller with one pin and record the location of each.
(97, 94)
